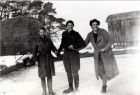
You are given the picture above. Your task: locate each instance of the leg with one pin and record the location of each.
(75, 66)
(67, 65)
(43, 82)
(76, 80)
(104, 84)
(49, 82)
(102, 74)
(70, 81)
(104, 80)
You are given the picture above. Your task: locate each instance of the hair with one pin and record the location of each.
(43, 29)
(94, 20)
(70, 21)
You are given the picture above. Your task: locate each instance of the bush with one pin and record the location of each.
(2, 66)
(10, 69)
(18, 34)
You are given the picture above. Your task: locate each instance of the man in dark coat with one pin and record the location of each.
(71, 42)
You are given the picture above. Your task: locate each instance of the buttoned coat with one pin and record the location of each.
(42, 54)
(104, 41)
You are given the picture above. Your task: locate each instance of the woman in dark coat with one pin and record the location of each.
(71, 42)
(105, 63)
(42, 56)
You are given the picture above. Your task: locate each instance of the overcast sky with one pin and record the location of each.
(81, 12)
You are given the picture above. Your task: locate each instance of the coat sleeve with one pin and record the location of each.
(109, 39)
(80, 43)
(87, 40)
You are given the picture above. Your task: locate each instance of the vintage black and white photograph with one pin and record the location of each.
(67, 47)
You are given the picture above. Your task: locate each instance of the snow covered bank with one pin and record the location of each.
(11, 60)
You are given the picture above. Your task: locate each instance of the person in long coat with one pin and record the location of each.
(71, 43)
(105, 63)
(42, 56)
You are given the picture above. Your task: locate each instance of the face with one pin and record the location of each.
(69, 27)
(94, 26)
(41, 33)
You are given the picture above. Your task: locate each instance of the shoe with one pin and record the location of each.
(104, 88)
(44, 93)
(76, 89)
(68, 90)
(52, 93)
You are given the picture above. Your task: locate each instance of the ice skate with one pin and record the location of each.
(68, 90)
(104, 88)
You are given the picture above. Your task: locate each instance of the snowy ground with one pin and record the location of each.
(11, 60)
(26, 81)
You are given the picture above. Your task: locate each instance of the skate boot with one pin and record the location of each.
(76, 82)
(44, 93)
(68, 90)
(52, 93)
(104, 88)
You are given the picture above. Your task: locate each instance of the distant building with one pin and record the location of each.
(124, 28)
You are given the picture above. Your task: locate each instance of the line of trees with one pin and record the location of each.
(20, 21)
(43, 12)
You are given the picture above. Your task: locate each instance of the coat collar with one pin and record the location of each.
(70, 31)
(44, 39)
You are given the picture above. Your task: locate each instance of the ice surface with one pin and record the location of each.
(27, 82)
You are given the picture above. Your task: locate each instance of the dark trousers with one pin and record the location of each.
(73, 76)
(72, 65)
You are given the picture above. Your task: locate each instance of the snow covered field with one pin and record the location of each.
(26, 81)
